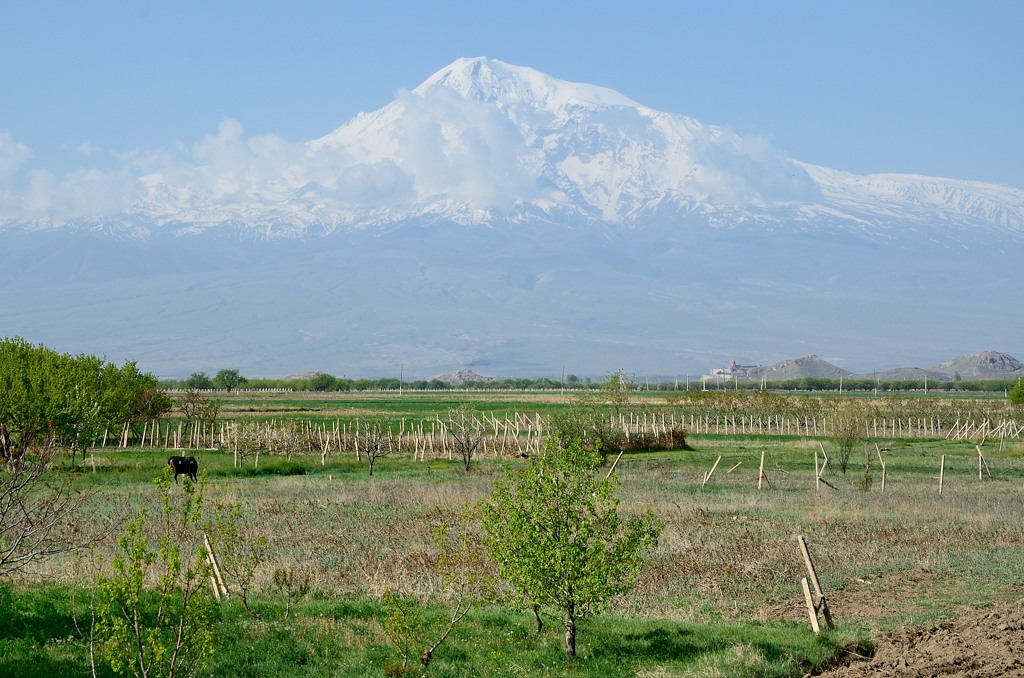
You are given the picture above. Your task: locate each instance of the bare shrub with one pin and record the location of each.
(40, 515)
(466, 432)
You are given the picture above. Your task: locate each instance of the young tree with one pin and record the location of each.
(554, 531)
(616, 389)
(239, 548)
(376, 442)
(170, 630)
(198, 408)
(583, 421)
(39, 516)
(848, 430)
(467, 576)
(466, 431)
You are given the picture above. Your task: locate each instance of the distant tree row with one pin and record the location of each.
(231, 379)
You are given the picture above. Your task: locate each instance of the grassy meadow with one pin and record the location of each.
(720, 596)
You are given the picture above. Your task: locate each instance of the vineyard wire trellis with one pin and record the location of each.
(517, 434)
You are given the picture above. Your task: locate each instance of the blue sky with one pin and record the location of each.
(932, 88)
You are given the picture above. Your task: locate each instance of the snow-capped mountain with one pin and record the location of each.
(488, 143)
(500, 219)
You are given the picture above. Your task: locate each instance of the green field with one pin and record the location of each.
(720, 596)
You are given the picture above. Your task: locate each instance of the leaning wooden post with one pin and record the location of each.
(219, 588)
(881, 461)
(614, 464)
(942, 472)
(981, 461)
(817, 604)
(817, 473)
(711, 472)
(760, 472)
(811, 611)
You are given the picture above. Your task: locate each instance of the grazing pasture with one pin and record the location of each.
(720, 594)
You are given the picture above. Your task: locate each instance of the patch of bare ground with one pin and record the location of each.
(976, 643)
(872, 601)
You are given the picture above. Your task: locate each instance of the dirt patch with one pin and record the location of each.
(979, 643)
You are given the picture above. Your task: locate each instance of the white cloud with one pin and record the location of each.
(741, 169)
(12, 156)
(470, 151)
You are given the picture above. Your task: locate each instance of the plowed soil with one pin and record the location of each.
(978, 643)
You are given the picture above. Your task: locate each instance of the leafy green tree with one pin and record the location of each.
(169, 630)
(47, 399)
(228, 380)
(1017, 394)
(322, 382)
(553, 529)
(198, 381)
(49, 402)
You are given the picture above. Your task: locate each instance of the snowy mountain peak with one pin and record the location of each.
(483, 79)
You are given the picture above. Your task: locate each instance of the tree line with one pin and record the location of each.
(52, 400)
(229, 380)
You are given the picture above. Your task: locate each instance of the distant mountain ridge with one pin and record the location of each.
(972, 367)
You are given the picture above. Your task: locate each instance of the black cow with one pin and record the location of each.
(184, 466)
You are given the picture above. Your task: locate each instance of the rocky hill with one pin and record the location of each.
(984, 365)
(459, 377)
(976, 366)
(795, 368)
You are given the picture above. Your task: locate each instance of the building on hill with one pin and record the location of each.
(734, 372)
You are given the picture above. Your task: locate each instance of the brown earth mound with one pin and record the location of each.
(980, 643)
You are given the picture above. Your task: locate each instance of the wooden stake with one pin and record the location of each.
(711, 472)
(982, 462)
(817, 473)
(818, 604)
(942, 472)
(219, 588)
(811, 611)
(614, 464)
(878, 451)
